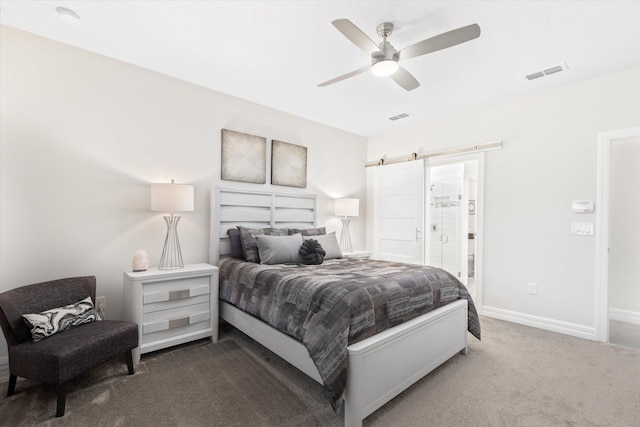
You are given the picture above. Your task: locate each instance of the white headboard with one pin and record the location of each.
(256, 209)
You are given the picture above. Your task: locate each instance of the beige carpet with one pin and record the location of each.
(517, 376)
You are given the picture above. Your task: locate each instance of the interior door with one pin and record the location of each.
(398, 212)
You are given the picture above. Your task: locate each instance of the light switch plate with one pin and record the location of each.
(582, 228)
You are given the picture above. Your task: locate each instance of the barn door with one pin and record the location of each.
(398, 212)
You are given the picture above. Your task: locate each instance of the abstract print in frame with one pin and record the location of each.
(244, 157)
(288, 164)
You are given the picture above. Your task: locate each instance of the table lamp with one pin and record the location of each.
(346, 207)
(171, 198)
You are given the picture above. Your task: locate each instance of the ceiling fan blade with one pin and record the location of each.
(442, 41)
(405, 79)
(357, 37)
(345, 76)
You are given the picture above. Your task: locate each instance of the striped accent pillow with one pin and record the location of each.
(309, 231)
(250, 244)
(56, 320)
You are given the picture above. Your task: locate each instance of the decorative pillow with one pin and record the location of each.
(279, 249)
(236, 244)
(311, 252)
(56, 320)
(308, 231)
(248, 240)
(329, 243)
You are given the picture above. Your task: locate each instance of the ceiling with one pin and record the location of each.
(276, 52)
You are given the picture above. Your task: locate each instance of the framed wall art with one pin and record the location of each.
(244, 157)
(288, 164)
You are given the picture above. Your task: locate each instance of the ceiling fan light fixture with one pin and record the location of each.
(386, 67)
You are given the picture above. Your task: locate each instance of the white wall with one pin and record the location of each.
(624, 231)
(550, 148)
(81, 138)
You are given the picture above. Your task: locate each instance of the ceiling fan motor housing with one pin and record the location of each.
(385, 29)
(387, 52)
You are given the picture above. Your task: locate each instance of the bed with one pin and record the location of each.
(371, 360)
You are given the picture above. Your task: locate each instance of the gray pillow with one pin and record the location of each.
(248, 240)
(329, 243)
(236, 243)
(279, 249)
(308, 231)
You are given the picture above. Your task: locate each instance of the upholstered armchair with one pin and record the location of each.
(61, 356)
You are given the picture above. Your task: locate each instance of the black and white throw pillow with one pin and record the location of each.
(56, 320)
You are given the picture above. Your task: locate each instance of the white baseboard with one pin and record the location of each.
(624, 315)
(573, 329)
(4, 369)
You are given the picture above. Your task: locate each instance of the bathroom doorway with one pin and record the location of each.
(452, 217)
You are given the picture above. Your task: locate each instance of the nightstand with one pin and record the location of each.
(357, 254)
(172, 307)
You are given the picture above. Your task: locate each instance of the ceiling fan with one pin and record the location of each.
(385, 58)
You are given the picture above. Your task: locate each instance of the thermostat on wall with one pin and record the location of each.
(582, 206)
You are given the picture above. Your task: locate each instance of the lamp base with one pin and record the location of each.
(171, 254)
(345, 236)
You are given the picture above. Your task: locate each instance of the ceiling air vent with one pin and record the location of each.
(399, 116)
(553, 70)
(535, 75)
(546, 72)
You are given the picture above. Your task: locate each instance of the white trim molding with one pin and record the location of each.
(567, 328)
(624, 315)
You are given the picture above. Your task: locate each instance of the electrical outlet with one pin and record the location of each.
(532, 288)
(101, 302)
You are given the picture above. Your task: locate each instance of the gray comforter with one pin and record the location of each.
(330, 306)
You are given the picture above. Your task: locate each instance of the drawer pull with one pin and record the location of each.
(184, 293)
(178, 323)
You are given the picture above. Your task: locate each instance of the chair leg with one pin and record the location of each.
(129, 358)
(12, 384)
(61, 390)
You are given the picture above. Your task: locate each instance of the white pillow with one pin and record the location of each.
(329, 243)
(279, 249)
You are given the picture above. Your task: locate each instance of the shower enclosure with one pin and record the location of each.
(445, 206)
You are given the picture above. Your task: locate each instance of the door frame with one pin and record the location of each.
(479, 260)
(605, 140)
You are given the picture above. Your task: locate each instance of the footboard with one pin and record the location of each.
(380, 367)
(383, 366)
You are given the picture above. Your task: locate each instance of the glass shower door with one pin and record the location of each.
(445, 246)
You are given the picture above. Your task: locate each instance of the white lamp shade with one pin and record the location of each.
(347, 207)
(171, 197)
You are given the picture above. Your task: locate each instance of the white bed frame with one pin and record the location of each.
(379, 367)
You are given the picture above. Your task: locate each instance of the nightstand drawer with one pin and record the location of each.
(175, 318)
(167, 305)
(153, 338)
(175, 289)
